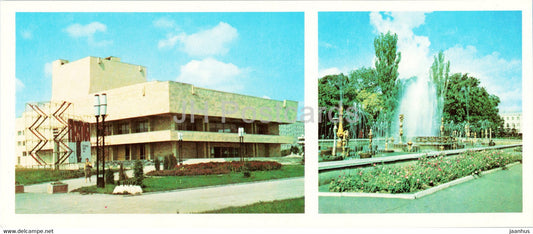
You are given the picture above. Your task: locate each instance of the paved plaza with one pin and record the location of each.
(500, 191)
(37, 201)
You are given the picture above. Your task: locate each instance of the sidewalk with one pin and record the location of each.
(35, 201)
(500, 191)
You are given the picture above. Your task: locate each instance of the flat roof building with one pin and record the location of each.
(145, 118)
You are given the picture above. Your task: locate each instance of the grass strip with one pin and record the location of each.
(290, 206)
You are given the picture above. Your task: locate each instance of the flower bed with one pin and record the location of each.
(212, 168)
(424, 174)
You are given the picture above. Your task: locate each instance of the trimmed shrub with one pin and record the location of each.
(157, 163)
(109, 177)
(172, 161)
(166, 163)
(295, 149)
(138, 173)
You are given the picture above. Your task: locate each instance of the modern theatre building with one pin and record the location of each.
(144, 119)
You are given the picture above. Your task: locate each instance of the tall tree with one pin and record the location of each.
(439, 74)
(466, 101)
(386, 62)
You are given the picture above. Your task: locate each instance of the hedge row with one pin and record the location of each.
(213, 168)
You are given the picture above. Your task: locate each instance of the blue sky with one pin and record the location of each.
(259, 54)
(487, 45)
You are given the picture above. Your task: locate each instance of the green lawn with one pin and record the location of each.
(93, 189)
(166, 183)
(35, 176)
(294, 205)
(27, 176)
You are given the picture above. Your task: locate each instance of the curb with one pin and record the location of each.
(416, 195)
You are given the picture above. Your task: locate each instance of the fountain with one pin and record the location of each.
(418, 108)
(419, 117)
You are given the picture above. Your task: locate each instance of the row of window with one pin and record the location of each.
(512, 118)
(144, 126)
(21, 143)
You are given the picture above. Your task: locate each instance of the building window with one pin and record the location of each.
(19, 133)
(185, 126)
(123, 128)
(24, 153)
(225, 127)
(18, 143)
(142, 126)
(142, 152)
(24, 143)
(225, 152)
(18, 160)
(127, 152)
(262, 129)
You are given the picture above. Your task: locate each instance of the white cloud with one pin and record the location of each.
(209, 42)
(266, 97)
(19, 85)
(164, 23)
(88, 31)
(211, 73)
(26, 34)
(414, 49)
(499, 76)
(327, 45)
(78, 30)
(48, 69)
(168, 42)
(328, 71)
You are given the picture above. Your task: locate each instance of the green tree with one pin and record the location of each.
(387, 60)
(360, 97)
(466, 101)
(439, 74)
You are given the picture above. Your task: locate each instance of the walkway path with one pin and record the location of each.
(37, 201)
(500, 191)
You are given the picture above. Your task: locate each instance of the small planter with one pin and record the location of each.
(19, 188)
(57, 187)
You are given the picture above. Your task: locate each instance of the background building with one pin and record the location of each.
(512, 121)
(295, 130)
(145, 118)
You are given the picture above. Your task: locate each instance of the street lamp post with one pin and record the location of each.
(241, 141)
(100, 109)
(180, 140)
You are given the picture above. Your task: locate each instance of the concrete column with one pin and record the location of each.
(207, 150)
(172, 123)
